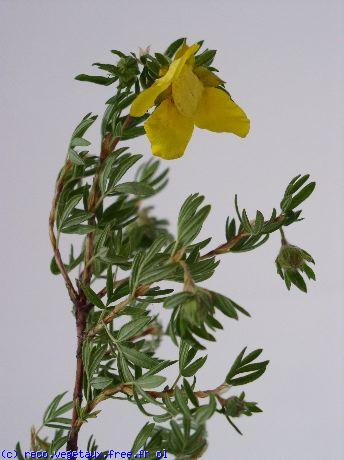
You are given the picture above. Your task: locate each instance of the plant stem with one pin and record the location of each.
(52, 218)
(81, 318)
(176, 381)
(128, 390)
(283, 238)
(228, 245)
(82, 306)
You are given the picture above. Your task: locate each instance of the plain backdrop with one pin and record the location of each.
(282, 63)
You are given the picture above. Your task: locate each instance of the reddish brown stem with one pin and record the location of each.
(128, 390)
(52, 217)
(82, 307)
(228, 245)
(81, 318)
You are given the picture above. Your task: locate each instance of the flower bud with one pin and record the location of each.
(190, 309)
(195, 311)
(234, 406)
(291, 257)
(144, 51)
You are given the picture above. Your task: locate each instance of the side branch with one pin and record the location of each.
(52, 217)
(127, 389)
(228, 245)
(108, 318)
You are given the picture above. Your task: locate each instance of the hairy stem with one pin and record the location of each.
(52, 218)
(81, 318)
(82, 306)
(228, 245)
(127, 389)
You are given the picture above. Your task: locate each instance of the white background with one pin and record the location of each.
(282, 64)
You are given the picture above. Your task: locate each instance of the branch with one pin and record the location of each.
(109, 144)
(82, 306)
(228, 245)
(127, 389)
(108, 318)
(52, 217)
(103, 291)
(225, 247)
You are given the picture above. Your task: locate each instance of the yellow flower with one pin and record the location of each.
(186, 95)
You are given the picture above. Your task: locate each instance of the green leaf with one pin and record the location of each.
(92, 297)
(162, 60)
(172, 49)
(150, 381)
(67, 209)
(79, 142)
(252, 367)
(177, 433)
(57, 444)
(175, 300)
(251, 356)
(296, 278)
(203, 413)
(225, 305)
(191, 219)
(190, 393)
(190, 370)
(244, 365)
(247, 378)
(83, 126)
(101, 382)
(309, 272)
(182, 404)
(19, 452)
(79, 229)
(105, 172)
(184, 348)
(105, 81)
(230, 229)
(137, 357)
(159, 367)
(134, 188)
(75, 158)
(132, 328)
(235, 365)
(109, 282)
(170, 406)
(142, 437)
(206, 58)
(77, 217)
(52, 413)
(123, 369)
(302, 195)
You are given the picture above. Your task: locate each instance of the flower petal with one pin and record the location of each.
(217, 112)
(168, 131)
(207, 77)
(179, 63)
(181, 50)
(145, 100)
(187, 91)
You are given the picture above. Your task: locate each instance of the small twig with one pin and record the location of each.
(103, 291)
(189, 284)
(151, 330)
(127, 389)
(228, 245)
(176, 381)
(108, 318)
(109, 144)
(54, 243)
(283, 238)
